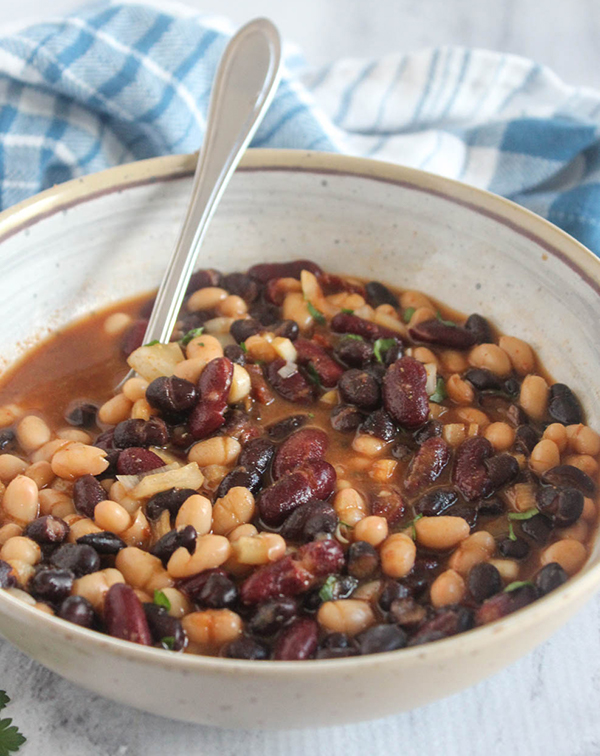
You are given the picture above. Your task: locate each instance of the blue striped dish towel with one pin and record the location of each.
(121, 81)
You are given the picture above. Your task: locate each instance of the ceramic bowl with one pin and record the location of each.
(98, 239)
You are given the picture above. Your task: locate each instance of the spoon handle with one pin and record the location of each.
(246, 80)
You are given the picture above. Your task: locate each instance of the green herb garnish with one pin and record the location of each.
(152, 343)
(440, 391)
(327, 589)
(313, 376)
(413, 530)
(318, 316)
(407, 314)
(445, 322)
(527, 515)
(382, 345)
(191, 335)
(353, 337)
(346, 311)
(311, 415)
(10, 737)
(511, 532)
(168, 642)
(517, 584)
(160, 599)
(243, 347)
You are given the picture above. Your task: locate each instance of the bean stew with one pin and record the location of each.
(313, 467)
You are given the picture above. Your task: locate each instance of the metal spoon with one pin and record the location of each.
(246, 80)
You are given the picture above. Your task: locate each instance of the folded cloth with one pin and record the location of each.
(121, 81)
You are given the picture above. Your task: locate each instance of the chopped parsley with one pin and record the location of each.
(152, 343)
(445, 322)
(313, 376)
(160, 599)
(527, 515)
(511, 531)
(413, 530)
(407, 314)
(318, 316)
(517, 584)
(346, 311)
(382, 345)
(243, 347)
(191, 335)
(11, 739)
(440, 391)
(353, 336)
(327, 589)
(168, 642)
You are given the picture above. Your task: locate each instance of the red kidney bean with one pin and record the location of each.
(162, 625)
(171, 396)
(124, 615)
(80, 415)
(241, 285)
(404, 394)
(436, 502)
(306, 445)
(257, 455)
(259, 388)
(51, 585)
(136, 460)
(505, 603)
(105, 542)
(571, 477)
(501, 469)
(280, 430)
(480, 329)
(345, 323)
(166, 546)
(312, 480)
(243, 329)
(378, 294)
(172, 499)
(267, 271)
(202, 279)
(437, 332)
(563, 405)
(47, 529)
(214, 384)
(309, 521)
(134, 337)
(359, 388)
(274, 293)
(295, 388)
(81, 560)
(427, 465)
(8, 579)
(77, 610)
(332, 284)
(87, 492)
(470, 474)
(445, 623)
(388, 502)
(136, 432)
(310, 353)
(293, 574)
(298, 641)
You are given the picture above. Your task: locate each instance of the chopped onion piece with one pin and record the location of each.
(131, 481)
(287, 370)
(188, 476)
(431, 370)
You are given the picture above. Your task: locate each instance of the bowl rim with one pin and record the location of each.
(153, 170)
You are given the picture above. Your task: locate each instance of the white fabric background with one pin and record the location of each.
(549, 702)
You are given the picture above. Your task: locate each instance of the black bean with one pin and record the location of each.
(501, 469)
(272, 615)
(181, 436)
(480, 328)
(538, 528)
(526, 438)
(163, 626)
(483, 380)
(345, 418)
(380, 425)
(446, 622)
(436, 502)
(564, 506)
(512, 386)
(105, 542)
(287, 329)
(493, 507)
(8, 579)
(309, 521)
(202, 279)
(241, 285)
(282, 429)
(363, 560)
(419, 579)
(570, 476)
(431, 429)
(354, 352)
(47, 529)
(78, 610)
(243, 329)
(550, 577)
(171, 500)
(393, 353)
(246, 648)
(216, 592)
(141, 433)
(516, 548)
(166, 546)
(50, 585)
(407, 613)
(87, 492)
(342, 587)
(257, 455)
(239, 476)
(359, 388)
(484, 581)
(81, 560)
(337, 646)
(235, 354)
(378, 294)
(171, 396)
(563, 405)
(391, 592)
(7, 439)
(381, 638)
(311, 601)
(267, 314)
(402, 451)
(81, 414)
(194, 320)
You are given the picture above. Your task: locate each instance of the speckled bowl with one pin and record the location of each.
(98, 239)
